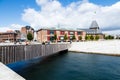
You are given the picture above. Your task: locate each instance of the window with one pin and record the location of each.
(49, 32)
(48, 38)
(71, 33)
(52, 32)
(79, 33)
(61, 38)
(51, 38)
(62, 32)
(70, 37)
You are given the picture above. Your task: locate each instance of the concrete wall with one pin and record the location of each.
(14, 53)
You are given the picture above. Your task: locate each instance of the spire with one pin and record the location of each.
(94, 25)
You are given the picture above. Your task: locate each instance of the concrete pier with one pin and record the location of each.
(106, 47)
(14, 53)
(7, 74)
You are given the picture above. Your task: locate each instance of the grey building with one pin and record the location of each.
(94, 30)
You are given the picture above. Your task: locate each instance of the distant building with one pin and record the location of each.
(117, 36)
(94, 30)
(18, 37)
(25, 30)
(8, 36)
(48, 34)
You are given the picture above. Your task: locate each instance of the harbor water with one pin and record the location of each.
(74, 66)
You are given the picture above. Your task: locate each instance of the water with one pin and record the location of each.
(75, 66)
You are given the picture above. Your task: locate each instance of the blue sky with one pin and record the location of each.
(11, 10)
(99, 2)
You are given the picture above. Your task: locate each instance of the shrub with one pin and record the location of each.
(29, 36)
(91, 37)
(97, 37)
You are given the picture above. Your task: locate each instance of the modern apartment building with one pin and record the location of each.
(48, 34)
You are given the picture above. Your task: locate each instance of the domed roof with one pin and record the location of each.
(94, 25)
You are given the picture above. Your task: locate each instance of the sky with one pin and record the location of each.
(66, 13)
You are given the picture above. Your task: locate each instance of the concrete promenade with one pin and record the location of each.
(7, 74)
(108, 47)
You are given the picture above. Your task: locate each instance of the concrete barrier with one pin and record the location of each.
(14, 53)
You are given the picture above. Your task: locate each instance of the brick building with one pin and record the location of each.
(25, 30)
(8, 36)
(16, 35)
(48, 34)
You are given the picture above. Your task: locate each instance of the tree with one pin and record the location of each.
(73, 37)
(65, 37)
(86, 37)
(106, 37)
(80, 37)
(55, 36)
(29, 36)
(97, 37)
(109, 37)
(91, 37)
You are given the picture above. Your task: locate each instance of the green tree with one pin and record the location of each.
(86, 37)
(106, 37)
(97, 37)
(55, 36)
(80, 37)
(109, 37)
(29, 36)
(91, 37)
(73, 37)
(65, 37)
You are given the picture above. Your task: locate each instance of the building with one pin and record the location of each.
(48, 34)
(94, 30)
(25, 30)
(8, 36)
(18, 37)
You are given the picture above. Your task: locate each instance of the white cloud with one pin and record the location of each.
(4, 29)
(16, 26)
(10, 27)
(77, 14)
(42, 2)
